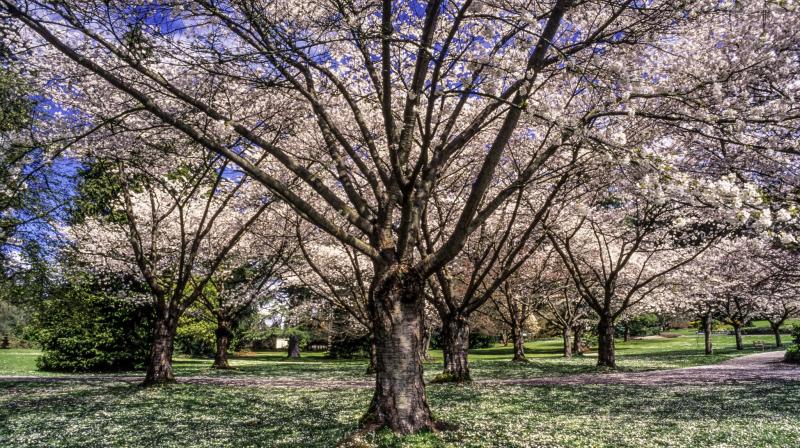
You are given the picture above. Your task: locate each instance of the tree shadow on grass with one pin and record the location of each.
(276, 366)
(182, 415)
(719, 402)
(509, 351)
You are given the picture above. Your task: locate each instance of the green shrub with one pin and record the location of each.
(348, 347)
(643, 325)
(476, 340)
(195, 336)
(758, 330)
(793, 354)
(796, 333)
(82, 326)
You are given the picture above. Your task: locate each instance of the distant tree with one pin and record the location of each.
(169, 216)
(247, 279)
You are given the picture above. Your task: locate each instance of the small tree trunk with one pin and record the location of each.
(159, 367)
(577, 340)
(605, 343)
(504, 338)
(426, 344)
(518, 340)
(294, 347)
(776, 330)
(223, 333)
(627, 333)
(565, 334)
(399, 401)
(373, 356)
(707, 334)
(737, 332)
(455, 336)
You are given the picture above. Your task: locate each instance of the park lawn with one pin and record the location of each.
(544, 356)
(117, 414)
(112, 414)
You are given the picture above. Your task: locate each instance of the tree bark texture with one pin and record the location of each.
(159, 368)
(426, 345)
(223, 334)
(373, 356)
(293, 347)
(709, 346)
(605, 343)
(565, 335)
(399, 401)
(776, 330)
(737, 331)
(577, 340)
(518, 340)
(455, 337)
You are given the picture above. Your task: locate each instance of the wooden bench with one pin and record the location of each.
(759, 344)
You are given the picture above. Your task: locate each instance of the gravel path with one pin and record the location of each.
(758, 368)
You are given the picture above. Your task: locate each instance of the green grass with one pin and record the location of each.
(116, 414)
(19, 362)
(120, 415)
(492, 363)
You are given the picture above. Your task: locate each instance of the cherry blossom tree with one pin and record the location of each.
(379, 100)
(249, 275)
(754, 282)
(338, 275)
(171, 220)
(620, 246)
(523, 294)
(780, 287)
(492, 256)
(565, 310)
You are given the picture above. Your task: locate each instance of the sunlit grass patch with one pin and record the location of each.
(491, 363)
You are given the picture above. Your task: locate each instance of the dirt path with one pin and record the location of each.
(758, 368)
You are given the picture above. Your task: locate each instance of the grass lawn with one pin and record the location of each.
(492, 363)
(116, 414)
(120, 415)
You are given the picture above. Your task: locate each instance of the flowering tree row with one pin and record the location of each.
(442, 142)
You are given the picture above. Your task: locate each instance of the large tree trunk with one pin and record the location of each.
(605, 343)
(455, 337)
(737, 331)
(577, 340)
(223, 333)
(707, 334)
(399, 401)
(294, 347)
(565, 334)
(159, 367)
(518, 339)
